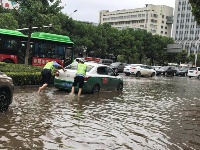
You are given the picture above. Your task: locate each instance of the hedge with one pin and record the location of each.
(23, 74)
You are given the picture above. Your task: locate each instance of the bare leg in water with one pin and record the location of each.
(43, 87)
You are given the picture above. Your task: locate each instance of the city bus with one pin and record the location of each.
(10, 45)
(44, 47)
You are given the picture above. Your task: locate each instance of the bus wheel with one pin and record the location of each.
(8, 61)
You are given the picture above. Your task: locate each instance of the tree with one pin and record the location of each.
(35, 13)
(8, 21)
(196, 9)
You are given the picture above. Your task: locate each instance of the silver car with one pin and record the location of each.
(6, 91)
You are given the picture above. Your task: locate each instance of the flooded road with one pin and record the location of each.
(162, 113)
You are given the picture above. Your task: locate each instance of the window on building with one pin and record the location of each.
(163, 22)
(161, 32)
(163, 16)
(161, 27)
(165, 27)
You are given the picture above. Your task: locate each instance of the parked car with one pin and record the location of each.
(6, 91)
(167, 70)
(182, 72)
(193, 72)
(105, 61)
(98, 77)
(139, 70)
(118, 66)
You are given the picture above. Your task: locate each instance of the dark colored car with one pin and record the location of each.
(118, 66)
(182, 72)
(167, 70)
(105, 61)
(6, 91)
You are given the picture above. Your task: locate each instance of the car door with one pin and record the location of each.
(144, 70)
(103, 77)
(113, 81)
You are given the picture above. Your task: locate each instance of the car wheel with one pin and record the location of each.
(189, 76)
(153, 74)
(4, 101)
(138, 74)
(198, 77)
(95, 89)
(127, 74)
(120, 87)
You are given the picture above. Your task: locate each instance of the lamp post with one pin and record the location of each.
(30, 29)
(72, 12)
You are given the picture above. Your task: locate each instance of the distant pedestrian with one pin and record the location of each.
(79, 78)
(47, 72)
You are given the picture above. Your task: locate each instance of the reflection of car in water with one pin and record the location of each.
(98, 77)
(6, 91)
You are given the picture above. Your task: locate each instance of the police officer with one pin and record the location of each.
(47, 72)
(79, 78)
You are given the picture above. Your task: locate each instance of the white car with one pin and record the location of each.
(139, 70)
(193, 72)
(98, 78)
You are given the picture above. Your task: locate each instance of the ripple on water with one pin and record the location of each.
(150, 113)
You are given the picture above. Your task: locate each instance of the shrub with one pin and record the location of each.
(23, 74)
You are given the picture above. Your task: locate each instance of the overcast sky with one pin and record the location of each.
(88, 10)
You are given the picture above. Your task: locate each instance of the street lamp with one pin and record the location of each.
(73, 12)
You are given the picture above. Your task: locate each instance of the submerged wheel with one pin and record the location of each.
(127, 74)
(153, 74)
(4, 101)
(95, 89)
(138, 74)
(120, 87)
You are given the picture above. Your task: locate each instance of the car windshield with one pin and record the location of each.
(164, 67)
(74, 66)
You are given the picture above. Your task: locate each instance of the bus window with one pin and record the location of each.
(1, 42)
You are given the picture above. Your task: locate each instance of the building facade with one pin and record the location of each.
(8, 4)
(185, 29)
(156, 19)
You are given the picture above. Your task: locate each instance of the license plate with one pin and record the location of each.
(68, 84)
(127, 69)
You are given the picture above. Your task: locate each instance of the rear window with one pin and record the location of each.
(193, 68)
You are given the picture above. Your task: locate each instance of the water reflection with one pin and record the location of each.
(150, 113)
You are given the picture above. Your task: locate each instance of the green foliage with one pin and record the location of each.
(195, 9)
(25, 78)
(22, 74)
(9, 67)
(8, 21)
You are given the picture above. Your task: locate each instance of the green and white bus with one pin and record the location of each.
(44, 47)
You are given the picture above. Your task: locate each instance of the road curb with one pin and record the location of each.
(29, 86)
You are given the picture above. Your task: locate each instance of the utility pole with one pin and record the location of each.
(30, 30)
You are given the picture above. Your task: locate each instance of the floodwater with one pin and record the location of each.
(160, 113)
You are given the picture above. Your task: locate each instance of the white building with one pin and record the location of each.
(156, 19)
(8, 4)
(185, 29)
